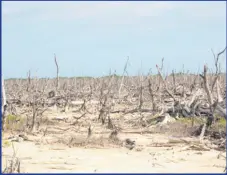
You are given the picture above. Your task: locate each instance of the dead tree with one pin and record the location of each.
(57, 76)
(105, 107)
(174, 81)
(217, 74)
(164, 83)
(206, 86)
(36, 101)
(213, 105)
(4, 105)
(122, 79)
(29, 80)
(151, 91)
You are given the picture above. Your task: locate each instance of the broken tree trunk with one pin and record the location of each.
(57, 76)
(4, 105)
(206, 86)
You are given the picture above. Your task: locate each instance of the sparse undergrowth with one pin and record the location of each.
(185, 127)
(16, 123)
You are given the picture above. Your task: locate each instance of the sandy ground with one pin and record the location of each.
(41, 157)
(58, 158)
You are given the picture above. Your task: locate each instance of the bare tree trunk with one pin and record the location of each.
(217, 73)
(152, 95)
(122, 80)
(219, 97)
(174, 81)
(57, 76)
(141, 93)
(33, 115)
(210, 99)
(4, 105)
(29, 80)
(206, 86)
(164, 83)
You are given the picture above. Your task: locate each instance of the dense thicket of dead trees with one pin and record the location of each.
(177, 94)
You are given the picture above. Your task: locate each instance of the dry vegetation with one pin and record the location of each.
(147, 123)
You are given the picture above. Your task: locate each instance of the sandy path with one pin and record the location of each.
(58, 158)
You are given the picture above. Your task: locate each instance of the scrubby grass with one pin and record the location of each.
(187, 126)
(220, 125)
(222, 122)
(6, 143)
(14, 122)
(191, 120)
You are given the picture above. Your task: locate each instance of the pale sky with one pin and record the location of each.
(90, 38)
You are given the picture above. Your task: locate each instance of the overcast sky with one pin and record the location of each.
(90, 38)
